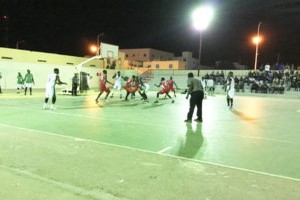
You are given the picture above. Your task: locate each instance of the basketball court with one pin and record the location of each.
(136, 150)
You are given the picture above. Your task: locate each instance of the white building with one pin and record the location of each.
(141, 56)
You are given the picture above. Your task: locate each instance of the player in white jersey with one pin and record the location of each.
(53, 79)
(117, 84)
(230, 90)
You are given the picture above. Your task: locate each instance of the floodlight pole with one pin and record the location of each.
(200, 49)
(18, 43)
(256, 47)
(98, 43)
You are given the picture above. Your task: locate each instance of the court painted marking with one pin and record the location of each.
(66, 186)
(155, 153)
(153, 124)
(165, 149)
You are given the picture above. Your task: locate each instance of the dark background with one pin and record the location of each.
(69, 26)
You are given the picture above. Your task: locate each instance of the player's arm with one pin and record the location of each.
(158, 85)
(59, 82)
(189, 90)
(176, 85)
(108, 81)
(225, 84)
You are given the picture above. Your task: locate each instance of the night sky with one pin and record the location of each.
(69, 26)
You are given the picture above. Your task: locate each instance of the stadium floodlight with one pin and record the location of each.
(94, 49)
(202, 17)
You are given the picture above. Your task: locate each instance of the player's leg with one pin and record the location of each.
(191, 109)
(107, 93)
(53, 102)
(46, 102)
(25, 91)
(113, 90)
(157, 96)
(119, 87)
(200, 97)
(100, 93)
(127, 94)
(145, 96)
(231, 102)
(167, 94)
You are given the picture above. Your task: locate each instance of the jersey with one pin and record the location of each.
(28, 78)
(50, 85)
(230, 87)
(165, 88)
(171, 85)
(19, 79)
(103, 87)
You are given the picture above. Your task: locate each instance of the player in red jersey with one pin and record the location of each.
(165, 90)
(171, 84)
(103, 86)
(131, 86)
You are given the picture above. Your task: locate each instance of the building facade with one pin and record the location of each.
(157, 59)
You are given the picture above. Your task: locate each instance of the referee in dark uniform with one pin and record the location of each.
(195, 89)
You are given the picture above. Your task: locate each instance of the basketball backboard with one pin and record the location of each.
(109, 51)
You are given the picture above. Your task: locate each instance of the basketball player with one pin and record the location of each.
(103, 86)
(53, 79)
(117, 84)
(165, 90)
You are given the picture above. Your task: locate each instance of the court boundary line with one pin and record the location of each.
(66, 186)
(155, 153)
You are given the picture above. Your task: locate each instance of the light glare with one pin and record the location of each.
(256, 40)
(93, 48)
(202, 17)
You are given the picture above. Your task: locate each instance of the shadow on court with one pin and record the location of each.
(193, 141)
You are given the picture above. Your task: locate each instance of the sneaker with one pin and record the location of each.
(52, 107)
(172, 101)
(111, 96)
(45, 106)
(188, 120)
(156, 101)
(198, 120)
(96, 101)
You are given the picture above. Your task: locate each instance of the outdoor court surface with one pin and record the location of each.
(135, 150)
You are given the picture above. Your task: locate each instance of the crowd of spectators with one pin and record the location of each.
(261, 81)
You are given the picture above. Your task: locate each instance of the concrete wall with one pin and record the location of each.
(41, 64)
(40, 71)
(7, 54)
